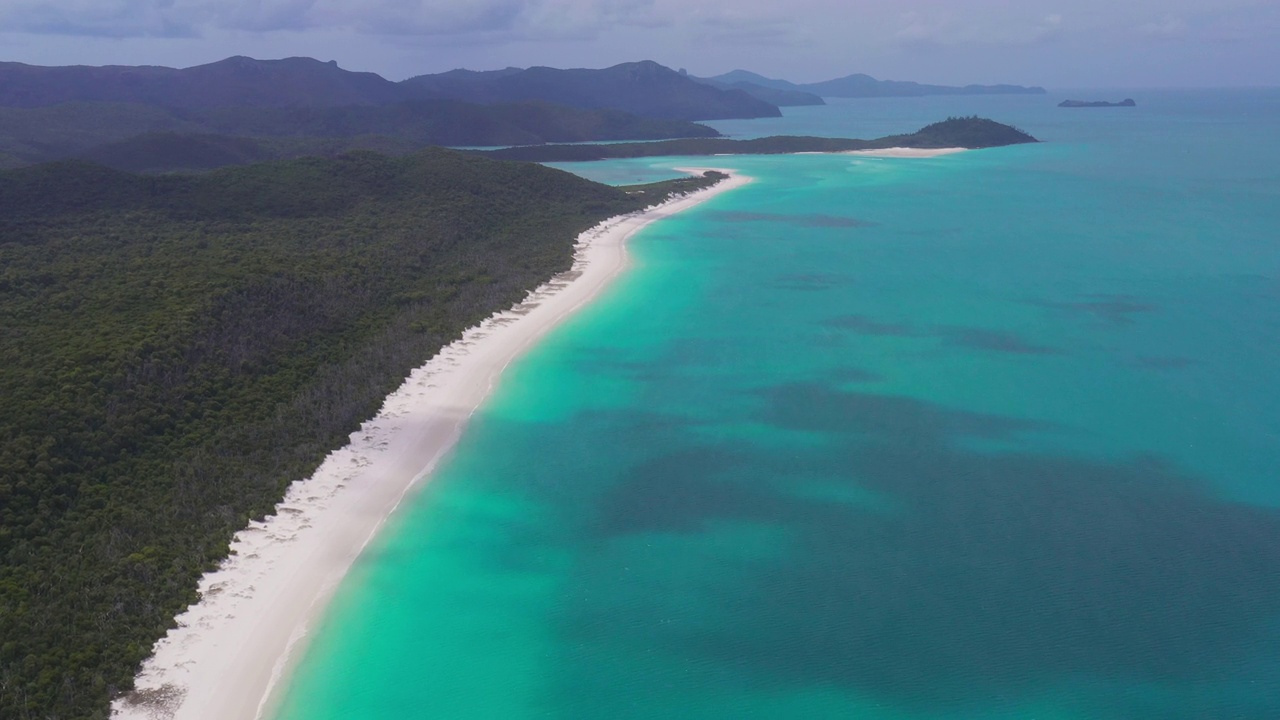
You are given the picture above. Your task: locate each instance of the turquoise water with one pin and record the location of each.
(988, 436)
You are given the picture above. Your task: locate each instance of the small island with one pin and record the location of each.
(970, 133)
(1127, 102)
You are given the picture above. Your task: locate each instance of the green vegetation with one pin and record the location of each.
(450, 122)
(966, 132)
(34, 135)
(175, 350)
(144, 138)
(174, 152)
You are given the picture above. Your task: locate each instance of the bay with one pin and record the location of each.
(989, 435)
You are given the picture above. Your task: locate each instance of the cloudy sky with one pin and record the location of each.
(1081, 43)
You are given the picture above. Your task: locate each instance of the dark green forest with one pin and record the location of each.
(175, 350)
(146, 138)
(966, 132)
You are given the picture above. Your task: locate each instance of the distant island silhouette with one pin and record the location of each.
(858, 85)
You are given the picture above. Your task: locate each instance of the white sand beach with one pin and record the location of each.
(902, 152)
(232, 649)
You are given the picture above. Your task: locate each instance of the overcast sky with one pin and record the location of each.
(1081, 43)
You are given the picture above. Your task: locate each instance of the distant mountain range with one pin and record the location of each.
(236, 81)
(49, 113)
(644, 88)
(859, 85)
(240, 110)
(780, 96)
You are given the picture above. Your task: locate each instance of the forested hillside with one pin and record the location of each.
(175, 350)
(148, 138)
(645, 88)
(642, 88)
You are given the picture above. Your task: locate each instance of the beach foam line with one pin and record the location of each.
(230, 652)
(903, 152)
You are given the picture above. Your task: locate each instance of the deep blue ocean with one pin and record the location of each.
(987, 436)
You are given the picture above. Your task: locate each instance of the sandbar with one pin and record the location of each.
(902, 152)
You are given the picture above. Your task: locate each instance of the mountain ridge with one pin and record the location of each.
(863, 85)
(237, 80)
(780, 96)
(643, 88)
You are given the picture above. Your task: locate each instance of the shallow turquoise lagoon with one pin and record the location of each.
(987, 436)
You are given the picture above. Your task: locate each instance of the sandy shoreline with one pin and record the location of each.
(902, 152)
(231, 649)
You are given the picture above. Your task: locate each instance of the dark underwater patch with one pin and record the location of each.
(863, 325)
(953, 335)
(1113, 309)
(812, 281)
(1164, 362)
(1002, 571)
(993, 340)
(856, 375)
(812, 220)
(678, 493)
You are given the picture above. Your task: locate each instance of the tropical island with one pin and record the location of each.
(969, 133)
(1127, 102)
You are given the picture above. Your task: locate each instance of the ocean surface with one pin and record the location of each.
(994, 435)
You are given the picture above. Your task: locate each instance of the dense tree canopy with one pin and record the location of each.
(148, 138)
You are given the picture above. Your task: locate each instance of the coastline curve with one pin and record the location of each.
(229, 653)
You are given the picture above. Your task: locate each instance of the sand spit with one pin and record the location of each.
(231, 649)
(901, 152)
